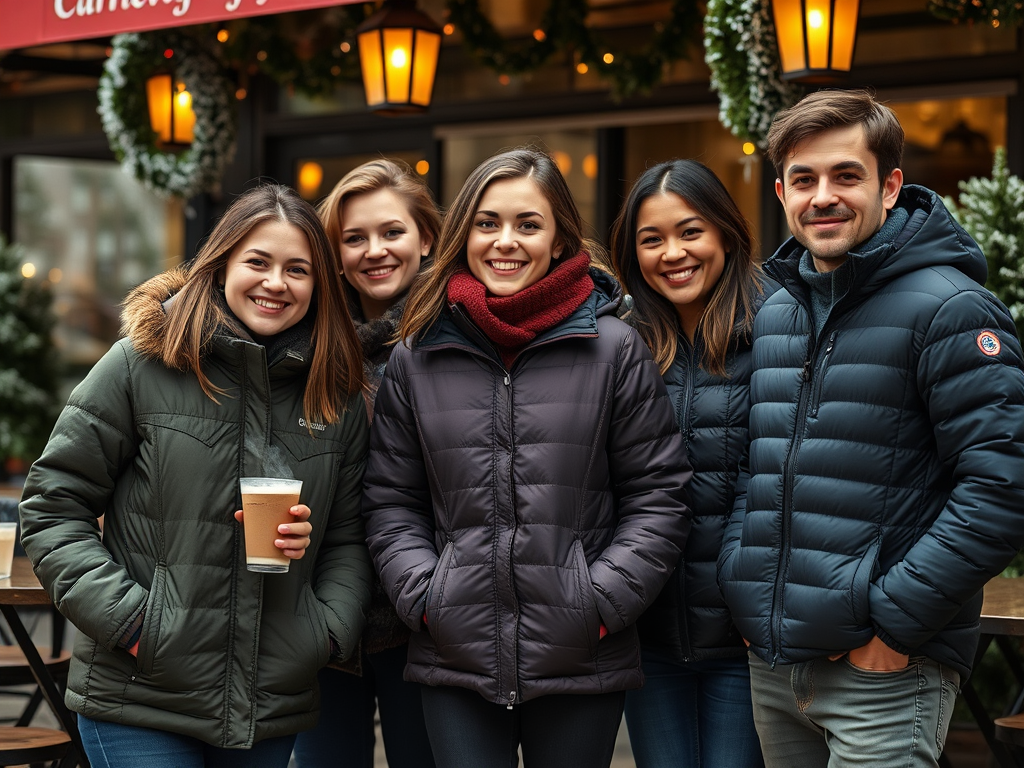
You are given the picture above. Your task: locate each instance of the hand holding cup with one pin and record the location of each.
(294, 537)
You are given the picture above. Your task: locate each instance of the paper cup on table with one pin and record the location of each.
(265, 505)
(8, 534)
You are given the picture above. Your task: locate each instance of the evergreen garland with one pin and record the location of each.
(992, 212)
(28, 361)
(125, 116)
(564, 27)
(740, 50)
(997, 13)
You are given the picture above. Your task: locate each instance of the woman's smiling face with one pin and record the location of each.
(381, 246)
(513, 237)
(268, 279)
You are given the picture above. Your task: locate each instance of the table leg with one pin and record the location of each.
(46, 685)
(1004, 757)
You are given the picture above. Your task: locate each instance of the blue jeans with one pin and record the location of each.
(556, 731)
(830, 713)
(693, 715)
(345, 734)
(112, 745)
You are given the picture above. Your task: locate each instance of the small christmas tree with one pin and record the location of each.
(28, 361)
(992, 212)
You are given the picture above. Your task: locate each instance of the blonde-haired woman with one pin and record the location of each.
(242, 363)
(524, 492)
(382, 221)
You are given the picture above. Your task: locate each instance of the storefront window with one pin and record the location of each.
(92, 233)
(950, 140)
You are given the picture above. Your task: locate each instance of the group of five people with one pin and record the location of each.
(752, 509)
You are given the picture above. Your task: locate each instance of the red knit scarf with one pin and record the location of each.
(513, 321)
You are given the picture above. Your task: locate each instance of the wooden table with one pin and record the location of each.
(23, 588)
(1002, 617)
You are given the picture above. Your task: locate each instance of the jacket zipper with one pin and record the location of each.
(683, 407)
(788, 477)
(512, 538)
(819, 375)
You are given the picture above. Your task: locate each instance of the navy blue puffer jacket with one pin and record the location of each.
(521, 508)
(886, 454)
(690, 621)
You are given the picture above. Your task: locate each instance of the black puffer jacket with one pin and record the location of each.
(520, 510)
(886, 454)
(690, 621)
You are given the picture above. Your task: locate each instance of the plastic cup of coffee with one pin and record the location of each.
(265, 505)
(8, 534)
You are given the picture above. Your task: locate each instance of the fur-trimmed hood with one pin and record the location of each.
(144, 317)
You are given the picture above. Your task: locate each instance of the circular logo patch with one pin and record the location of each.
(988, 343)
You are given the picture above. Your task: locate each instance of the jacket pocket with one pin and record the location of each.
(318, 624)
(587, 602)
(435, 592)
(859, 599)
(150, 637)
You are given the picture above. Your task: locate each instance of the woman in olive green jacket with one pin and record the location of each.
(245, 363)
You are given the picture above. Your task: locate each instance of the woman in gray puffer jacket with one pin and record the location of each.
(524, 495)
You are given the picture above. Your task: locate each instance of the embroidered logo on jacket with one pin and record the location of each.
(315, 425)
(988, 343)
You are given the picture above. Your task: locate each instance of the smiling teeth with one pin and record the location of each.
(270, 304)
(380, 271)
(681, 274)
(506, 264)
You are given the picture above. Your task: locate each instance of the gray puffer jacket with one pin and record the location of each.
(226, 655)
(521, 509)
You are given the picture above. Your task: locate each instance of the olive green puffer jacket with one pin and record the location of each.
(226, 656)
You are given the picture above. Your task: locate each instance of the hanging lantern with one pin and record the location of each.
(816, 38)
(170, 110)
(398, 50)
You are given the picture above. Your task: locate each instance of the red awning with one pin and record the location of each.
(24, 23)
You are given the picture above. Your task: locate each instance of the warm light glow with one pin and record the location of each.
(345, 47)
(169, 53)
(504, 79)
(28, 270)
(170, 110)
(816, 38)
(749, 148)
(449, 29)
(241, 93)
(608, 58)
(311, 175)
(55, 275)
(590, 166)
(398, 51)
(582, 68)
(563, 161)
(540, 35)
(222, 35)
(261, 55)
(422, 167)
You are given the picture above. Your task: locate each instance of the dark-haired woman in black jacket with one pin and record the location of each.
(683, 251)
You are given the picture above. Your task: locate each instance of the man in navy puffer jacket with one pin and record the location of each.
(886, 457)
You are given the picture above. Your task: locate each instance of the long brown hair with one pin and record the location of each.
(731, 306)
(196, 312)
(370, 177)
(429, 291)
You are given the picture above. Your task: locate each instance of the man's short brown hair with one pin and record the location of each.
(823, 110)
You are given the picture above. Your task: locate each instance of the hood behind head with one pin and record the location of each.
(143, 317)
